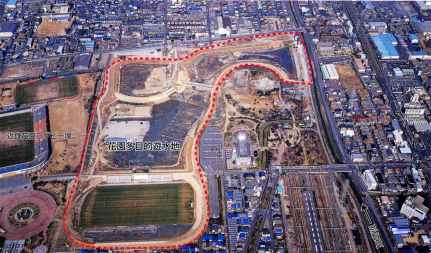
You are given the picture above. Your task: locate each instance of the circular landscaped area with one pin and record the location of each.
(26, 213)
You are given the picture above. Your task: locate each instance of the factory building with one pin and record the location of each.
(242, 151)
(415, 115)
(11, 4)
(370, 180)
(385, 44)
(377, 27)
(329, 72)
(414, 208)
(7, 29)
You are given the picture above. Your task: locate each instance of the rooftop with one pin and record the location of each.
(7, 27)
(385, 44)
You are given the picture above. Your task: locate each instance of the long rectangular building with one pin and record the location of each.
(385, 44)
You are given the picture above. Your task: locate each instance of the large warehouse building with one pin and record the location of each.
(385, 44)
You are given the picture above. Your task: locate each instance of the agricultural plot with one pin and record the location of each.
(44, 90)
(53, 28)
(14, 151)
(135, 205)
(350, 81)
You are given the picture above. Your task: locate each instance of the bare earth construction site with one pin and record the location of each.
(162, 106)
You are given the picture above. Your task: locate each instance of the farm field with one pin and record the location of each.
(350, 80)
(46, 89)
(53, 28)
(16, 151)
(134, 205)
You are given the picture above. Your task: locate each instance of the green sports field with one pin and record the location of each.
(14, 151)
(134, 205)
(45, 90)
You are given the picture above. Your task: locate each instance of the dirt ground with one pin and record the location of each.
(242, 93)
(143, 79)
(157, 79)
(57, 190)
(349, 79)
(66, 153)
(7, 99)
(314, 151)
(253, 101)
(296, 147)
(69, 116)
(53, 28)
(44, 90)
(43, 201)
(23, 70)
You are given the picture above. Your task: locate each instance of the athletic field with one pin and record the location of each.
(44, 90)
(134, 205)
(14, 151)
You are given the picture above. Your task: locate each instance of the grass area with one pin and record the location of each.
(16, 151)
(133, 205)
(43, 90)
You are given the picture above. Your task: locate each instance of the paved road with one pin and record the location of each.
(62, 177)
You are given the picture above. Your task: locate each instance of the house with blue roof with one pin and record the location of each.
(245, 221)
(278, 231)
(400, 229)
(7, 29)
(242, 236)
(229, 195)
(221, 238)
(189, 248)
(413, 38)
(11, 4)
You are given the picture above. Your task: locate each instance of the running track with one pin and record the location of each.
(211, 108)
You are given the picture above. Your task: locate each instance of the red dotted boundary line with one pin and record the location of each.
(211, 109)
